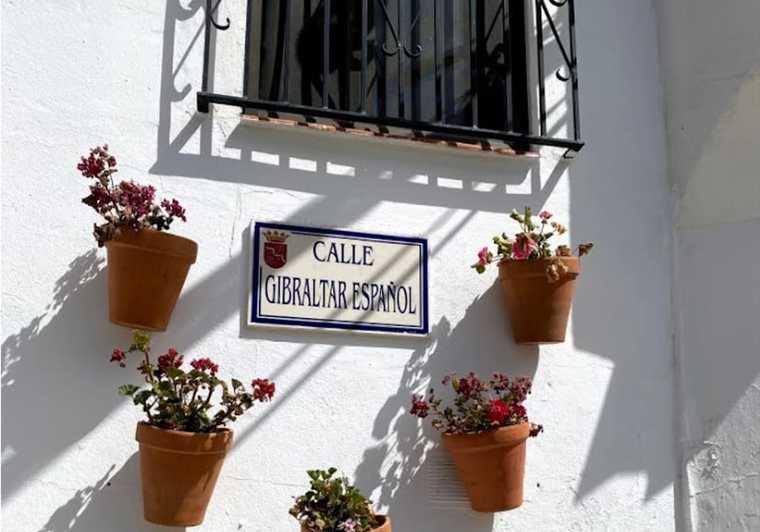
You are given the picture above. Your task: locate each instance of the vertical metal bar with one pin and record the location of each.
(506, 23)
(206, 47)
(474, 70)
(401, 55)
(574, 72)
(365, 36)
(247, 57)
(326, 53)
(437, 35)
(286, 53)
(540, 57)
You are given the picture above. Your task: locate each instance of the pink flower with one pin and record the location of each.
(498, 411)
(483, 255)
(523, 247)
(545, 215)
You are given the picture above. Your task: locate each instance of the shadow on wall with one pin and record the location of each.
(113, 503)
(56, 366)
(51, 355)
(416, 482)
(622, 309)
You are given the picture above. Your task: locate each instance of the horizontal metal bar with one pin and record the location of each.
(509, 137)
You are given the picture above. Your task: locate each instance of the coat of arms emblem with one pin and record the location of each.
(275, 249)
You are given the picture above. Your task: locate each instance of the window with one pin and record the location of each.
(451, 68)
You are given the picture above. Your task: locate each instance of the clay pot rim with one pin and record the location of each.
(183, 442)
(479, 441)
(184, 248)
(510, 268)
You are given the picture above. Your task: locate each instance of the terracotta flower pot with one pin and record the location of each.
(146, 272)
(491, 465)
(385, 524)
(538, 309)
(179, 471)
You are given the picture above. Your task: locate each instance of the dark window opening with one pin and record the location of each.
(453, 62)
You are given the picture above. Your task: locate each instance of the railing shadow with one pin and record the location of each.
(407, 470)
(112, 503)
(52, 370)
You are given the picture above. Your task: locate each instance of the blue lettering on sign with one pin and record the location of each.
(340, 253)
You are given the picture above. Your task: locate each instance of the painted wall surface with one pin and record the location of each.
(76, 74)
(712, 65)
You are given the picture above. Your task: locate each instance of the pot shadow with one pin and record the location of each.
(50, 367)
(409, 472)
(113, 503)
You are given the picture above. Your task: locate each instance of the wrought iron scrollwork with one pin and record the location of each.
(568, 57)
(390, 52)
(210, 15)
(568, 60)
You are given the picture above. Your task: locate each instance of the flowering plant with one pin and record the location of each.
(531, 243)
(177, 399)
(333, 505)
(126, 204)
(478, 406)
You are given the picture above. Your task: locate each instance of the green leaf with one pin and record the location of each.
(174, 373)
(237, 385)
(128, 389)
(141, 340)
(142, 397)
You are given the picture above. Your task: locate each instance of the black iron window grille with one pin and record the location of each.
(456, 69)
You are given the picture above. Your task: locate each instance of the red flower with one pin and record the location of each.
(263, 390)
(171, 359)
(520, 411)
(420, 407)
(498, 412)
(136, 198)
(203, 364)
(119, 356)
(468, 386)
(97, 162)
(91, 166)
(174, 209)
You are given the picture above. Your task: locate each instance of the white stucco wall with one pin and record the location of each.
(710, 57)
(125, 72)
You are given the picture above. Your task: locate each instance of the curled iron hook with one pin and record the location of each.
(220, 27)
(560, 76)
(558, 3)
(390, 53)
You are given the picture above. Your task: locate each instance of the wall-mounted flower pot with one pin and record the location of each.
(179, 472)
(491, 466)
(538, 308)
(146, 272)
(385, 524)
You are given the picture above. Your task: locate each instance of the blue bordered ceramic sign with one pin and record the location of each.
(334, 279)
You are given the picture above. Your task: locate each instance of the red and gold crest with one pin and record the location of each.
(275, 249)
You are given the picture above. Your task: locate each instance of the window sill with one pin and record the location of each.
(376, 133)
